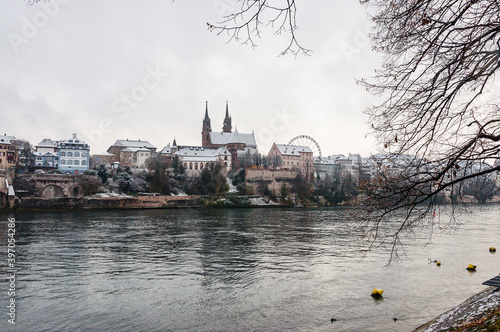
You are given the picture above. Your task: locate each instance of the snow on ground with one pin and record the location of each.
(232, 189)
(261, 201)
(471, 310)
(107, 195)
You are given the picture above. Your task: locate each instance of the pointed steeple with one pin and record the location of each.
(174, 143)
(206, 129)
(206, 111)
(226, 128)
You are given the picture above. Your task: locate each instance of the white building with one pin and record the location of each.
(73, 155)
(195, 158)
(46, 154)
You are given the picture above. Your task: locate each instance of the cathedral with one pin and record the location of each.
(239, 144)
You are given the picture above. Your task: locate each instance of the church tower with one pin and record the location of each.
(206, 129)
(226, 128)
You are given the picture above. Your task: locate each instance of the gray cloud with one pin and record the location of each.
(68, 76)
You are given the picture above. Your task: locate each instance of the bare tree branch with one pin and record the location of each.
(246, 24)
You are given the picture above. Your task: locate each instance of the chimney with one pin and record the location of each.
(74, 135)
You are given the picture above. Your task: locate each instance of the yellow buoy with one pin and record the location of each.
(493, 249)
(471, 267)
(438, 263)
(377, 293)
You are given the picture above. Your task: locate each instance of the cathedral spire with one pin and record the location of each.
(206, 111)
(206, 129)
(226, 128)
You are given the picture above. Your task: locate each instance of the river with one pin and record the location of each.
(236, 270)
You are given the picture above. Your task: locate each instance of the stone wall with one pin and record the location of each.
(52, 185)
(141, 202)
(272, 179)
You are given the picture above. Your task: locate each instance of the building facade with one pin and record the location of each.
(294, 157)
(47, 154)
(238, 144)
(8, 153)
(133, 153)
(196, 158)
(73, 155)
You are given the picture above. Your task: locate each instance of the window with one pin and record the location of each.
(185, 165)
(70, 162)
(225, 157)
(190, 165)
(195, 165)
(38, 158)
(77, 162)
(63, 154)
(63, 162)
(77, 154)
(201, 165)
(84, 154)
(70, 154)
(84, 162)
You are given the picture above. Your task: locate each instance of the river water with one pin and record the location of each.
(236, 270)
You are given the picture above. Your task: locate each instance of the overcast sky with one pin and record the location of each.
(120, 69)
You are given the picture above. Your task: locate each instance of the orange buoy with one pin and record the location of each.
(471, 267)
(377, 293)
(493, 249)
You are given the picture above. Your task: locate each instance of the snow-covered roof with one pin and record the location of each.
(166, 150)
(103, 154)
(73, 140)
(47, 143)
(221, 138)
(236, 137)
(292, 150)
(137, 149)
(134, 144)
(4, 139)
(197, 153)
(46, 154)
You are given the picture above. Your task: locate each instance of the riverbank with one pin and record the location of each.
(146, 202)
(480, 312)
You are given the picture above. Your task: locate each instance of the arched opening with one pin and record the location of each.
(195, 165)
(52, 191)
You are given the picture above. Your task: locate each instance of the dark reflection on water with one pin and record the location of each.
(235, 270)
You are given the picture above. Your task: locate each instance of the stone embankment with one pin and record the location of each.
(140, 202)
(144, 202)
(481, 312)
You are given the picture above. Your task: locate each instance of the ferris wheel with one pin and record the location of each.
(304, 140)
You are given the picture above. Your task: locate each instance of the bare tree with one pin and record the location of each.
(439, 101)
(275, 161)
(247, 22)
